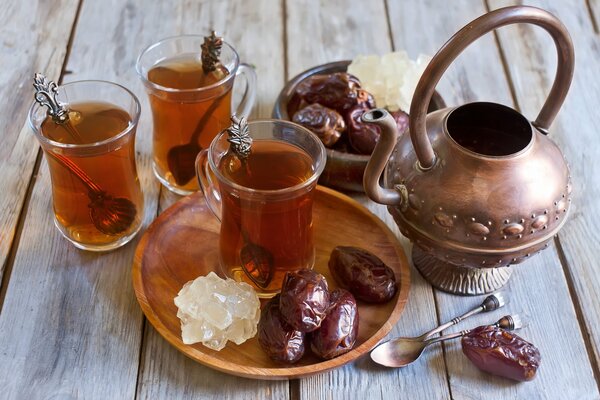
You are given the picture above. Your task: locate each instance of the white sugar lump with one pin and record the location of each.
(391, 78)
(214, 310)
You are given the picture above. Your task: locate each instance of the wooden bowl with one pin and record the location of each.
(343, 170)
(182, 244)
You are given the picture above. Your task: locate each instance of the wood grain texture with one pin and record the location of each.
(69, 323)
(324, 31)
(70, 326)
(182, 244)
(255, 29)
(532, 63)
(594, 9)
(539, 289)
(41, 47)
(477, 74)
(337, 30)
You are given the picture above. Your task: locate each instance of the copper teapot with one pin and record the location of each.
(477, 187)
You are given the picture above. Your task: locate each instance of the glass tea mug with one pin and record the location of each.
(186, 119)
(96, 194)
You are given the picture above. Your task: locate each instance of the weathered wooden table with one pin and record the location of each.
(70, 326)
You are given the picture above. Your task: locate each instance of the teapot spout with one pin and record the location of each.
(379, 159)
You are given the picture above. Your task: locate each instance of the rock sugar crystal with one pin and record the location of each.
(214, 310)
(391, 79)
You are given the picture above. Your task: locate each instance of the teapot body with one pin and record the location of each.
(480, 210)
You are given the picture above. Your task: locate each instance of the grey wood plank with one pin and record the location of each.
(425, 26)
(538, 289)
(255, 29)
(594, 7)
(70, 326)
(335, 30)
(42, 46)
(168, 374)
(532, 59)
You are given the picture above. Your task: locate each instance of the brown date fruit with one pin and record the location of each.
(339, 91)
(363, 136)
(304, 299)
(363, 274)
(295, 103)
(280, 341)
(401, 119)
(324, 122)
(501, 353)
(339, 329)
(365, 98)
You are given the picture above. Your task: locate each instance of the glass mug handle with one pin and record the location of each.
(249, 97)
(206, 180)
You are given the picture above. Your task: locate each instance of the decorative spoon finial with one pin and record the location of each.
(211, 52)
(239, 137)
(46, 93)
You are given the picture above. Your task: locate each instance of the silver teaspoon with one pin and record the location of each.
(401, 352)
(490, 303)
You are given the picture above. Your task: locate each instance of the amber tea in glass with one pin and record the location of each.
(189, 106)
(97, 199)
(264, 202)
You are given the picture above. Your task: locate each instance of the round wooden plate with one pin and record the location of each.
(182, 244)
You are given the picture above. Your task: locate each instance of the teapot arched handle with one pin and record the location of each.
(467, 35)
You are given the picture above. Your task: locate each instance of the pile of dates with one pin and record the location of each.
(331, 106)
(306, 313)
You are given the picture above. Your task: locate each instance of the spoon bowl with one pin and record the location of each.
(111, 215)
(257, 263)
(398, 352)
(181, 160)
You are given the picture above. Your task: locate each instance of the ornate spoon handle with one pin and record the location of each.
(46, 94)
(508, 322)
(490, 303)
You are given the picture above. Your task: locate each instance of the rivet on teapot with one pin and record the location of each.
(498, 189)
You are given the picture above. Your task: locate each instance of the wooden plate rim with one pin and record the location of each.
(282, 372)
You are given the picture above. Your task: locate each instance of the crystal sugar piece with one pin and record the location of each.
(391, 79)
(214, 310)
(217, 314)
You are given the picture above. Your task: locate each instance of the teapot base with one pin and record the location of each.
(457, 279)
